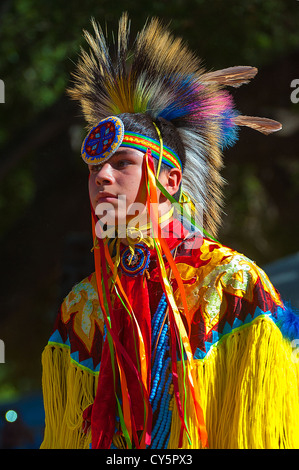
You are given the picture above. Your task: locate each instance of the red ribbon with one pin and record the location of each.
(123, 332)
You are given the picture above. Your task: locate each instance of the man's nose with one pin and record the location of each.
(105, 175)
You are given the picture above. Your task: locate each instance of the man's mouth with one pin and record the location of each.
(105, 197)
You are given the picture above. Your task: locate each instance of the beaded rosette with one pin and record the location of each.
(102, 141)
(134, 264)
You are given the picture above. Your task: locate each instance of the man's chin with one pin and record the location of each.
(111, 227)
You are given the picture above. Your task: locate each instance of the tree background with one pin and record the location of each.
(45, 216)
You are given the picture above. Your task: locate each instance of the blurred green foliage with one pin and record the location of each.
(39, 39)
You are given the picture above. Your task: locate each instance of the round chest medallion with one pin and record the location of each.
(134, 265)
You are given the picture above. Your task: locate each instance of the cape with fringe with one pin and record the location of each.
(242, 337)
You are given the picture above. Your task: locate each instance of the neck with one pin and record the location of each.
(137, 227)
(143, 227)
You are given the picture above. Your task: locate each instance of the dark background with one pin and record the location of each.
(45, 218)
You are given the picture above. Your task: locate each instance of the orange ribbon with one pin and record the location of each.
(152, 201)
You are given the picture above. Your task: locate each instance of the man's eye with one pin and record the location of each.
(122, 163)
(94, 168)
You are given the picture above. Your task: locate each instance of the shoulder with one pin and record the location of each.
(216, 254)
(83, 295)
(87, 287)
(256, 287)
(213, 258)
(216, 275)
(79, 325)
(235, 268)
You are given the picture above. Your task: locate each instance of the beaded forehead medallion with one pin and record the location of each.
(103, 140)
(109, 134)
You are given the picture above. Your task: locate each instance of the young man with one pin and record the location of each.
(175, 340)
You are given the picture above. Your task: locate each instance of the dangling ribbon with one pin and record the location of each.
(99, 440)
(177, 324)
(141, 371)
(134, 235)
(188, 213)
(143, 355)
(161, 149)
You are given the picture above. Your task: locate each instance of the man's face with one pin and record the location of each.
(118, 192)
(116, 184)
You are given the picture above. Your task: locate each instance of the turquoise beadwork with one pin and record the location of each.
(161, 380)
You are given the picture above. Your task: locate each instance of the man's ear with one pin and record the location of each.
(171, 180)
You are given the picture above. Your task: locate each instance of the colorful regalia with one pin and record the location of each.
(175, 341)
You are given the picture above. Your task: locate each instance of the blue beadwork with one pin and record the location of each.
(160, 395)
(161, 383)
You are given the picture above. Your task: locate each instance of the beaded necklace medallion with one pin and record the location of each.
(134, 264)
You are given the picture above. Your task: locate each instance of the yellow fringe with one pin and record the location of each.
(68, 390)
(249, 386)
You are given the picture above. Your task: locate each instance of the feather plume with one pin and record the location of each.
(263, 125)
(231, 76)
(158, 75)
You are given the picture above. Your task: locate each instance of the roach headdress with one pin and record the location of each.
(159, 76)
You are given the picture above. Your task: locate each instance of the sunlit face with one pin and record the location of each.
(116, 184)
(118, 192)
